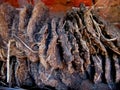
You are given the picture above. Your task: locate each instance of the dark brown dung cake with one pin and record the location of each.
(79, 51)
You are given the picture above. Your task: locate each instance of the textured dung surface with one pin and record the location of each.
(77, 51)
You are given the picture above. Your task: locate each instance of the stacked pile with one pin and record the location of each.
(59, 52)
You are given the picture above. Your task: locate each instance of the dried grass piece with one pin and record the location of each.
(8, 62)
(108, 70)
(53, 54)
(84, 48)
(98, 69)
(37, 15)
(25, 14)
(66, 47)
(31, 54)
(78, 61)
(42, 47)
(107, 42)
(117, 67)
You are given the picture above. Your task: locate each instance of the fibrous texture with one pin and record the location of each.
(57, 52)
